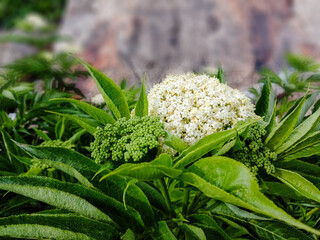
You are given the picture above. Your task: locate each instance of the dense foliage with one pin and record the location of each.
(70, 169)
(11, 11)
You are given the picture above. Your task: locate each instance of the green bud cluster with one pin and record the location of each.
(253, 153)
(127, 140)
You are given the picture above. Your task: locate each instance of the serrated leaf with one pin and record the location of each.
(96, 113)
(163, 232)
(265, 104)
(309, 101)
(261, 228)
(81, 166)
(298, 183)
(88, 125)
(283, 129)
(158, 168)
(142, 103)
(206, 222)
(299, 132)
(129, 235)
(59, 129)
(281, 190)
(207, 144)
(193, 232)
(308, 147)
(230, 181)
(110, 91)
(41, 134)
(57, 226)
(299, 166)
(154, 196)
(174, 142)
(75, 198)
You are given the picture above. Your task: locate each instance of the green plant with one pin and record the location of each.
(12, 11)
(197, 194)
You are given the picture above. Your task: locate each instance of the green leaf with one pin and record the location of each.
(265, 104)
(298, 183)
(225, 148)
(207, 144)
(163, 232)
(308, 147)
(302, 63)
(158, 168)
(299, 166)
(83, 168)
(313, 78)
(10, 148)
(129, 235)
(110, 91)
(88, 125)
(206, 222)
(281, 132)
(272, 121)
(220, 75)
(59, 129)
(76, 136)
(272, 76)
(55, 226)
(193, 232)
(96, 113)
(260, 227)
(73, 197)
(281, 190)
(299, 132)
(175, 142)
(142, 103)
(41, 134)
(154, 196)
(230, 181)
(309, 101)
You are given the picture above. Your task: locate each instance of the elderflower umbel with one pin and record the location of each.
(192, 106)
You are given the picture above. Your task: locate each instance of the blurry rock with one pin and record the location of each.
(129, 38)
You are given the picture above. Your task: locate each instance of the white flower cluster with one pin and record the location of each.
(192, 106)
(35, 21)
(98, 99)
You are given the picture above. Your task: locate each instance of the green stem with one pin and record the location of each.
(193, 203)
(166, 196)
(312, 211)
(185, 201)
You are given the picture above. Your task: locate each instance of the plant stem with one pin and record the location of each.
(312, 211)
(193, 203)
(165, 193)
(185, 201)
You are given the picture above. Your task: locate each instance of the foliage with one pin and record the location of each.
(205, 191)
(301, 77)
(12, 11)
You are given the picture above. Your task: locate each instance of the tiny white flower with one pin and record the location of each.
(192, 106)
(97, 99)
(36, 21)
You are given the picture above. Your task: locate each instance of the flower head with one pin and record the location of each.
(192, 106)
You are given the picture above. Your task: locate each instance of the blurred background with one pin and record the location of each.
(126, 39)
